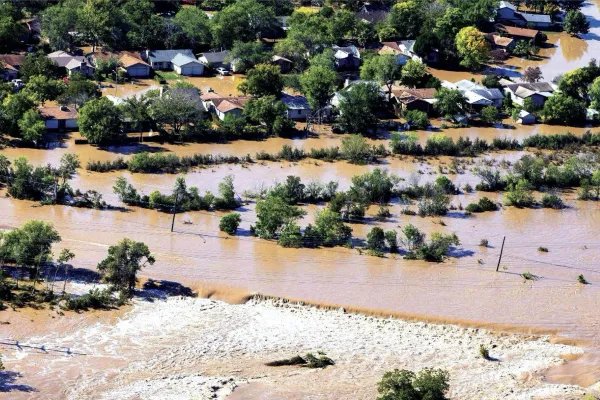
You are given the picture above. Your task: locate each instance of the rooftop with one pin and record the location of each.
(294, 102)
(498, 40)
(183, 59)
(58, 112)
(512, 30)
(215, 56)
(168, 55)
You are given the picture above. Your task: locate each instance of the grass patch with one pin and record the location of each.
(169, 75)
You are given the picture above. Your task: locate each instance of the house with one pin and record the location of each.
(163, 59)
(59, 117)
(190, 94)
(187, 66)
(477, 96)
(507, 13)
(346, 57)
(131, 63)
(285, 65)
(373, 13)
(414, 99)
(298, 107)
(216, 59)
(72, 64)
(526, 118)
(538, 92)
(349, 85)
(408, 48)
(12, 64)
(500, 42)
(223, 105)
(521, 33)
(394, 48)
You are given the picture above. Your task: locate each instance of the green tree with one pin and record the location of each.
(356, 149)
(272, 213)
(318, 84)
(519, 194)
(472, 47)
(195, 26)
(243, 20)
(330, 230)
(30, 245)
(10, 26)
(246, 55)
(594, 93)
(576, 23)
(123, 262)
(413, 237)
(358, 107)
(490, 115)
(230, 222)
(311, 29)
(13, 109)
(290, 235)
(383, 69)
(57, 23)
(98, 21)
(526, 49)
(270, 112)
(406, 18)
(100, 121)
(41, 89)
(126, 192)
(143, 26)
(226, 199)
(391, 238)
(294, 50)
(174, 112)
(342, 25)
(376, 239)
(69, 162)
(32, 126)
(428, 384)
(36, 64)
(417, 119)
(564, 109)
(263, 80)
(137, 112)
(79, 90)
(413, 72)
(450, 102)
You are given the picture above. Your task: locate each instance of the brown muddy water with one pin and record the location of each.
(466, 287)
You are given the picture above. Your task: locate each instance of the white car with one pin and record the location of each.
(222, 71)
(17, 83)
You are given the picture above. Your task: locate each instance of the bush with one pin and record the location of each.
(484, 352)
(417, 119)
(552, 201)
(376, 239)
(308, 361)
(528, 276)
(95, 298)
(581, 279)
(484, 204)
(543, 249)
(484, 243)
(406, 385)
(519, 194)
(230, 222)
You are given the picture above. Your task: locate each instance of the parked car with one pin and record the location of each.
(17, 84)
(222, 71)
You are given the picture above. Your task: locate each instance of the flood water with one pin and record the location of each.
(464, 288)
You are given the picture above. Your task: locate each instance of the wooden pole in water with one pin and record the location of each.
(174, 211)
(501, 250)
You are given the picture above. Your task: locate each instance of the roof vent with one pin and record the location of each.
(64, 108)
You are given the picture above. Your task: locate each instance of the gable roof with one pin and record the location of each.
(373, 16)
(506, 4)
(346, 51)
(522, 89)
(230, 103)
(58, 112)
(490, 94)
(497, 40)
(182, 59)
(190, 94)
(168, 55)
(129, 60)
(535, 18)
(409, 45)
(515, 31)
(294, 102)
(279, 58)
(76, 62)
(392, 45)
(12, 60)
(215, 56)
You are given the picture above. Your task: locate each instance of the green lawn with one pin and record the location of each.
(169, 75)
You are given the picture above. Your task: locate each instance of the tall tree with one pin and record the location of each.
(195, 26)
(59, 21)
(576, 23)
(246, 55)
(100, 121)
(358, 106)
(174, 111)
(263, 80)
(123, 262)
(32, 126)
(472, 47)
(318, 84)
(243, 20)
(383, 69)
(270, 112)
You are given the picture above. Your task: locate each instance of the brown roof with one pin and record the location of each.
(229, 103)
(498, 40)
(427, 93)
(58, 112)
(211, 95)
(13, 60)
(127, 58)
(392, 45)
(523, 32)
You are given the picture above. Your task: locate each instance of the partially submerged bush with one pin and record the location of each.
(581, 279)
(543, 249)
(484, 204)
(484, 352)
(484, 243)
(95, 298)
(428, 384)
(308, 361)
(552, 201)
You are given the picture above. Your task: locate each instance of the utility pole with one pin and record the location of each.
(174, 211)
(501, 250)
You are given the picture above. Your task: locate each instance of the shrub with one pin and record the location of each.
(528, 276)
(581, 279)
(95, 298)
(484, 352)
(309, 361)
(519, 194)
(543, 249)
(376, 239)
(552, 201)
(406, 385)
(437, 248)
(230, 222)
(417, 119)
(484, 243)
(296, 360)
(484, 204)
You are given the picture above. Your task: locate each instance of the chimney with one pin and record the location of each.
(64, 108)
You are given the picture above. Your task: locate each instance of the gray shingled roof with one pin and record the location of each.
(168, 55)
(215, 56)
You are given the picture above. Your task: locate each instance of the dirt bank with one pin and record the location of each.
(201, 348)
